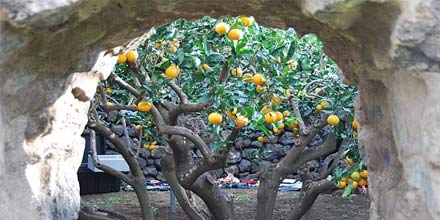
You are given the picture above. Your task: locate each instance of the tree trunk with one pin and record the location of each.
(219, 203)
(308, 195)
(169, 171)
(267, 194)
(142, 195)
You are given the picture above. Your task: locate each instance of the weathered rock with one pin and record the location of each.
(118, 129)
(245, 166)
(234, 156)
(390, 49)
(142, 162)
(233, 169)
(150, 162)
(150, 171)
(242, 144)
(287, 138)
(157, 163)
(256, 144)
(242, 175)
(249, 153)
(273, 139)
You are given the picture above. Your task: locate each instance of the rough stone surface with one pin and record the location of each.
(389, 48)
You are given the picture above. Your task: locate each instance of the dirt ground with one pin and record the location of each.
(327, 206)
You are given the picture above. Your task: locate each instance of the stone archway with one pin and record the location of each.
(390, 49)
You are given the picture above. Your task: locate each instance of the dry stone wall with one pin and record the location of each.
(389, 48)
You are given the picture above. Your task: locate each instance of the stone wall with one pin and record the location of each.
(389, 48)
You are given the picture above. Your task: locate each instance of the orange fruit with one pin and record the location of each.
(276, 100)
(266, 110)
(349, 161)
(215, 118)
(258, 79)
(317, 90)
(241, 121)
(108, 91)
(341, 185)
(319, 107)
(279, 115)
(235, 34)
(295, 123)
(355, 124)
(172, 71)
(364, 173)
(259, 89)
(286, 113)
(121, 58)
(324, 104)
(262, 139)
(132, 56)
(110, 104)
(203, 67)
(333, 120)
(172, 49)
(247, 21)
(144, 106)
(362, 182)
(247, 77)
(354, 185)
(293, 64)
(236, 72)
(230, 115)
(138, 128)
(222, 28)
(270, 117)
(281, 126)
(355, 176)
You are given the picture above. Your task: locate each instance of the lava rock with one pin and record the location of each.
(150, 171)
(232, 170)
(256, 144)
(287, 138)
(245, 166)
(243, 143)
(142, 162)
(234, 157)
(117, 129)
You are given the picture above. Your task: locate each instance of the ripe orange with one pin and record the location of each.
(295, 123)
(215, 118)
(276, 100)
(203, 67)
(354, 185)
(319, 107)
(138, 128)
(266, 110)
(333, 120)
(235, 34)
(121, 58)
(172, 49)
(362, 182)
(144, 106)
(270, 117)
(258, 79)
(293, 64)
(349, 161)
(172, 71)
(132, 56)
(342, 184)
(355, 124)
(230, 115)
(222, 28)
(247, 21)
(247, 77)
(263, 139)
(364, 173)
(241, 121)
(237, 72)
(259, 89)
(281, 126)
(324, 104)
(108, 91)
(355, 176)
(279, 116)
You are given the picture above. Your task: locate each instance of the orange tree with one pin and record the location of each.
(240, 78)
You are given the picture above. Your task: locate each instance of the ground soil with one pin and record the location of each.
(326, 207)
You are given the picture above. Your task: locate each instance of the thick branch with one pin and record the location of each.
(292, 155)
(192, 136)
(185, 108)
(104, 167)
(302, 127)
(330, 164)
(308, 197)
(120, 146)
(124, 84)
(182, 96)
